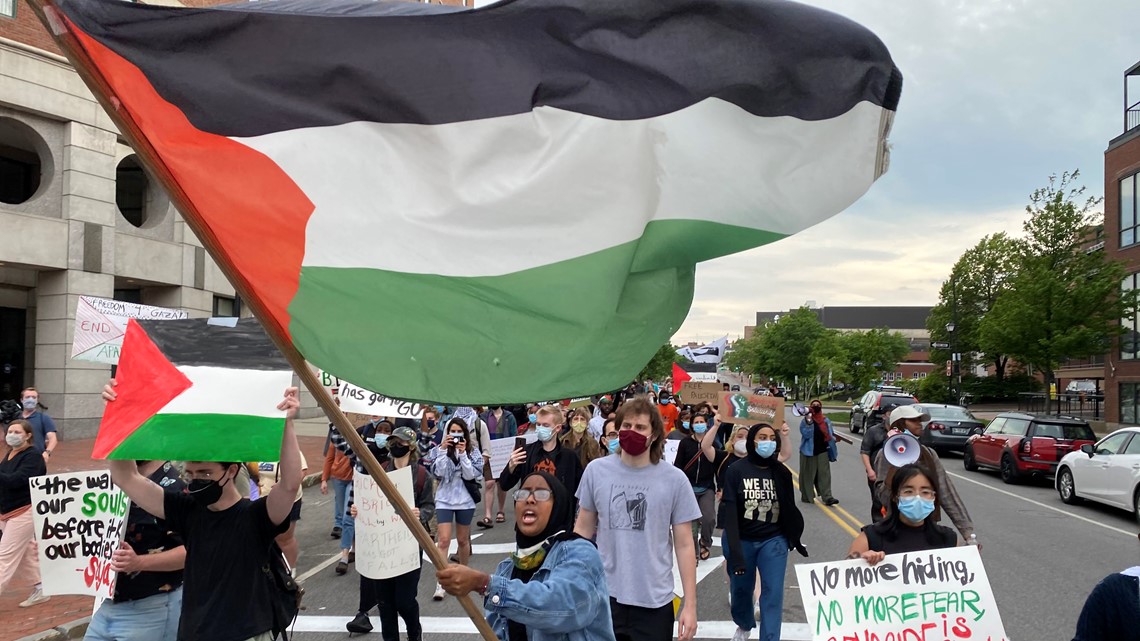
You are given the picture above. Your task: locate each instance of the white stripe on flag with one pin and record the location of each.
(220, 390)
(589, 182)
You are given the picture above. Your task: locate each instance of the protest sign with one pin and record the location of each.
(943, 594)
(740, 408)
(385, 546)
(693, 393)
(359, 400)
(501, 449)
(100, 325)
(585, 401)
(78, 520)
(670, 453)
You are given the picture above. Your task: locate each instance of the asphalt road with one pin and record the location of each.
(1042, 557)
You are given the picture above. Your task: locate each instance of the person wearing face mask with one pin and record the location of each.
(429, 436)
(699, 463)
(641, 510)
(456, 460)
(909, 527)
(18, 554)
(578, 439)
(44, 437)
(762, 523)
(817, 450)
(544, 455)
(553, 588)
(396, 596)
(609, 441)
(375, 435)
(668, 409)
(228, 539)
(684, 427)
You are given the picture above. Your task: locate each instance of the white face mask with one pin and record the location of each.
(14, 440)
(741, 447)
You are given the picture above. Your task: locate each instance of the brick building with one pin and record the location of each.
(78, 216)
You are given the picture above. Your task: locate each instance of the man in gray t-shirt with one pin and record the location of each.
(640, 508)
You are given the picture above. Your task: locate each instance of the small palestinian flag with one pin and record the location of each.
(193, 391)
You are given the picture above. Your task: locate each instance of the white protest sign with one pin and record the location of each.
(385, 547)
(501, 449)
(943, 594)
(358, 400)
(670, 454)
(78, 520)
(100, 325)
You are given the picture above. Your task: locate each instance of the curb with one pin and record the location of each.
(77, 628)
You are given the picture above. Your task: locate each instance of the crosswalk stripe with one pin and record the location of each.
(462, 625)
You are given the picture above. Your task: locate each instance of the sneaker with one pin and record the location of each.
(336, 532)
(740, 635)
(37, 596)
(341, 567)
(439, 593)
(831, 501)
(360, 624)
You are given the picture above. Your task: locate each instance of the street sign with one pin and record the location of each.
(940, 345)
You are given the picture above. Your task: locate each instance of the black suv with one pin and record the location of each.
(868, 407)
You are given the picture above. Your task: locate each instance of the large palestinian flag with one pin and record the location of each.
(191, 391)
(490, 205)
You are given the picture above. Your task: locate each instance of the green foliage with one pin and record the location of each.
(935, 388)
(871, 354)
(784, 348)
(987, 389)
(1063, 301)
(661, 365)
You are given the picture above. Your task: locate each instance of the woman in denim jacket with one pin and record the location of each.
(553, 587)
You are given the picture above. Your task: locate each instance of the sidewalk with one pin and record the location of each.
(64, 615)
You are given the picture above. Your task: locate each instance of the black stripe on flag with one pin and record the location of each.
(191, 341)
(247, 71)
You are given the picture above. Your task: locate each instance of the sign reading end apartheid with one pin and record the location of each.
(385, 547)
(739, 408)
(693, 393)
(941, 595)
(78, 520)
(101, 324)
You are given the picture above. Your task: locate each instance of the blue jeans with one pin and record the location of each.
(348, 527)
(340, 491)
(771, 558)
(154, 618)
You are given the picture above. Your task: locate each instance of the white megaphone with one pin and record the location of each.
(902, 449)
(798, 409)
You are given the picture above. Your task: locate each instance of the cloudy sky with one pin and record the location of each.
(996, 97)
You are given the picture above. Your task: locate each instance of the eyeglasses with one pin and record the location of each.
(612, 435)
(926, 494)
(523, 494)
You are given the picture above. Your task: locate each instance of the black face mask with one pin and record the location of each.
(398, 451)
(206, 493)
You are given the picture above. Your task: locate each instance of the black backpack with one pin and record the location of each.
(285, 593)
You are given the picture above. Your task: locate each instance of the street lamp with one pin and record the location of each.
(953, 364)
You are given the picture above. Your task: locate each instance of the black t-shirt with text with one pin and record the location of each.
(750, 490)
(147, 534)
(225, 595)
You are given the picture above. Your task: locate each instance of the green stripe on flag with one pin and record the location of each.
(593, 318)
(205, 437)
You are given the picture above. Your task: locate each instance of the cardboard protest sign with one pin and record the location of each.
(942, 594)
(100, 325)
(501, 449)
(739, 408)
(575, 403)
(385, 546)
(78, 520)
(693, 393)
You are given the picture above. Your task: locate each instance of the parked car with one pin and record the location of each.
(868, 407)
(949, 427)
(1020, 445)
(1107, 472)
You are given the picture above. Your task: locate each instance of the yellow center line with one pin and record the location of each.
(859, 524)
(827, 510)
(831, 514)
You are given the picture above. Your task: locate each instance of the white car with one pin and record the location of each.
(1108, 472)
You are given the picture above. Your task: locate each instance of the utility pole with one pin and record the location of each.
(955, 358)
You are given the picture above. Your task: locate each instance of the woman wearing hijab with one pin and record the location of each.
(553, 587)
(762, 523)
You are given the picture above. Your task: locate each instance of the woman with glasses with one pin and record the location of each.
(578, 439)
(554, 585)
(909, 526)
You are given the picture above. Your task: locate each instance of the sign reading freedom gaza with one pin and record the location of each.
(936, 595)
(101, 324)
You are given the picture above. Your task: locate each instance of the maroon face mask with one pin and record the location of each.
(633, 443)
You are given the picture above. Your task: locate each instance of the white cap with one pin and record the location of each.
(907, 411)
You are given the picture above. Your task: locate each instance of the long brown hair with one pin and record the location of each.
(585, 445)
(641, 406)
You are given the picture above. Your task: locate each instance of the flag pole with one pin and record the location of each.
(56, 25)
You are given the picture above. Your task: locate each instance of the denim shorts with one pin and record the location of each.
(461, 517)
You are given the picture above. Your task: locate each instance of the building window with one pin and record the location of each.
(1129, 401)
(1129, 220)
(8, 8)
(131, 190)
(21, 168)
(914, 376)
(227, 306)
(1130, 339)
(922, 375)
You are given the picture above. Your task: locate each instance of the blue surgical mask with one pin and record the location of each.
(380, 440)
(666, 401)
(685, 424)
(533, 418)
(544, 433)
(765, 448)
(916, 508)
(614, 446)
(700, 428)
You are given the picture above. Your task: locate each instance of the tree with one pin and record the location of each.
(661, 365)
(871, 354)
(1066, 300)
(743, 356)
(783, 350)
(828, 360)
(980, 276)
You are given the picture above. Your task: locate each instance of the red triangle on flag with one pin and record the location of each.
(145, 382)
(680, 376)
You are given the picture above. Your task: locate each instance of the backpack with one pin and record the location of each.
(285, 592)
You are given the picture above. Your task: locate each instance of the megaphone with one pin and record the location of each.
(798, 409)
(902, 449)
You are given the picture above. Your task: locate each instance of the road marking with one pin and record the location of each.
(462, 625)
(856, 522)
(324, 564)
(453, 547)
(704, 568)
(1033, 502)
(827, 510)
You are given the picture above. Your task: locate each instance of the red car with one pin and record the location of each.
(1021, 445)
